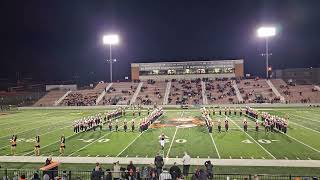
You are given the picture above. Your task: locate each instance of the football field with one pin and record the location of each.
(184, 130)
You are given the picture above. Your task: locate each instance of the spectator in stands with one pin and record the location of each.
(97, 172)
(35, 176)
(108, 175)
(175, 171)
(158, 161)
(22, 177)
(209, 169)
(165, 175)
(116, 170)
(131, 169)
(46, 177)
(186, 164)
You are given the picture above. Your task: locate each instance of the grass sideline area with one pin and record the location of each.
(184, 129)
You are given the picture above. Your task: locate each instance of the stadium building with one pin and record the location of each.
(188, 70)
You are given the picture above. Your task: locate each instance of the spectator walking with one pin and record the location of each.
(165, 175)
(158, 161)
(175, 171)
(108, 175)
(186, 164)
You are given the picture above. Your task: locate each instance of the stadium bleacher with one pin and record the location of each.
(256, 91)
(152, 92)
(120, 93)
(185, 92)
(220, 92)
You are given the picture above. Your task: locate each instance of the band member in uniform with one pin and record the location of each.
(245, 125)
(125, 127)
(148, 110)
(220, 111)
(219, 125)
(132, 125)
(229, 109)
(133, 113)
(240, 112)
(225, 110)
(213, 111)
(62, 144)
(257, 125)
(235, 111)
(139, 111)
(117, 124)
(37, 146)
(110, 126)
(162, 138)
(13, 144)
(226, 124)
(266, 126)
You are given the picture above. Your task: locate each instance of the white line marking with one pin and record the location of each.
(302, 142)
(252, 158)
(88, 144)
(174, 135)
(39, 135)
(303, 118)
(298, 158)
(215, 146)
(286, 158)
(51, 143)
(263, 157)
(309, 158)
(252, 138)
(304, 127)
(240, 157)
(130, 144)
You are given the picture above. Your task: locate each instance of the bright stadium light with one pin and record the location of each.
(266, 33)
(111, 39)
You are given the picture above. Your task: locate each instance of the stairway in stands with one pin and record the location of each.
(135, 95)
(166, 95)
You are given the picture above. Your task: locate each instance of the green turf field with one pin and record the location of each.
(301, 142)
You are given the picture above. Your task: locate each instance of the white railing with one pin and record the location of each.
(103, 93)
(166, 95)
(204, 96)
(57, 102)
(235, 86)
(136, 93)
(275, 91)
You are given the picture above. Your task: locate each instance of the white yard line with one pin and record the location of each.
(304, 127)
(303, 118)
(215, 146)
(88, 144)
(41, 135)
(302, 143)
(33, 128)
(129, 144)
(252, 138)
(167, 156)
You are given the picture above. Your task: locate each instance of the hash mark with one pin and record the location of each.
(230, 157)
(240, 157)
(309, 158)
(298, 158)
(198, 157)
(286, 158)
(252, 157)
(126, 155)
(263, 157)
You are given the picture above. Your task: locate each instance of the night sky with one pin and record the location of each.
(58, 40)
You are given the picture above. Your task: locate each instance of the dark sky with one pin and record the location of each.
(56, 40)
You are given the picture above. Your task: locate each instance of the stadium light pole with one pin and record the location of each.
(266, 33)
(111, 39)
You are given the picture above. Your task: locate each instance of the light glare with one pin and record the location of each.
(266, 31)
(111, 39)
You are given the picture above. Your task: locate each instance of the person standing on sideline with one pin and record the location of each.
(186, 164)
(158, 162)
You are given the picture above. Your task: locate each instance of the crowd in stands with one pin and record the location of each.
(80, 99)
(185, 92)
(256, 91)
(219, 90)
